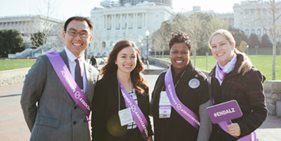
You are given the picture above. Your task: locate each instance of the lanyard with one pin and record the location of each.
(137, 114)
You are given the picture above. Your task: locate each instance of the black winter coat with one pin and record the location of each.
(105, 120)
(176, 128)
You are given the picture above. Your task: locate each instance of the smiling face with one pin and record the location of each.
(179, 56)
(222, 49)
(77, 37)
(126, 60)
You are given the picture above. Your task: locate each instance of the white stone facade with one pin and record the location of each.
(255, 16)
(28, 25)
(157, 2)
(131, 22)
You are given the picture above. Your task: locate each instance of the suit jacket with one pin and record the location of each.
(48, 109)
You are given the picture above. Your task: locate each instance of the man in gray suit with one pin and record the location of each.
(50, 111)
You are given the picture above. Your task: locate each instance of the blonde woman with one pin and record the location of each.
(235, 78)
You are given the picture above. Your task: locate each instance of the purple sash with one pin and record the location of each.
(69, 83)
(181, 109)
(250, 137)
(137, 114)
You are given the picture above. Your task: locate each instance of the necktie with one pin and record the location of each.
(78, 77)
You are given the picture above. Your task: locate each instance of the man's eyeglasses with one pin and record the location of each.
(82, 34)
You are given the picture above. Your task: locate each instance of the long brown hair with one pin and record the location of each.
(136, 75)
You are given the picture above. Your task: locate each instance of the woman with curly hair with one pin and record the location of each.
(179, 95)
(121, 100)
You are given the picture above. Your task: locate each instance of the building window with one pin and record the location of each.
(139, 20)
(259, 32)
(246, 12)
(124, 20)
(258, 12)
(253, 31)
(264, 10)
(252, 11)
(103, 44)
(118, 22)
(130, 21)
(108, 22)
(247, 32)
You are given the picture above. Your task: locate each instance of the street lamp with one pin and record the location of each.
(147, 48)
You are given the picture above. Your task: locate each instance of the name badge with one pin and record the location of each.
(165, 111)
(164, 106)
(125, 116)
(164, 100)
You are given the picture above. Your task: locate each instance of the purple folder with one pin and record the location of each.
(225, 111)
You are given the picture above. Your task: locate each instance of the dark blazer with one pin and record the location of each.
(108, 100)
(243, 84)
(176, 128)
(49, 111)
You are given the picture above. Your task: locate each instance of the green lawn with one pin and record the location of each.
(262, 62)
(8, 64)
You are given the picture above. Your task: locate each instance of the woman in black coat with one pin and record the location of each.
(191, 88)
(112, 117)
(235, 78)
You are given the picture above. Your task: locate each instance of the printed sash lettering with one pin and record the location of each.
(69, 83)
(223, 113)
(181, 109)
(137, 114)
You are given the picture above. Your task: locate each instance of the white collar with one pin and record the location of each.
(71, 57)
(230, 65)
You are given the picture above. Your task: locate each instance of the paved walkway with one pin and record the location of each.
(13, 127)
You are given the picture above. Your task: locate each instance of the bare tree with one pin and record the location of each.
(55, 36)
(50, 26)
(274, 32)
(272, 8)
(198, 26)
(279, 45)
(160, 38)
